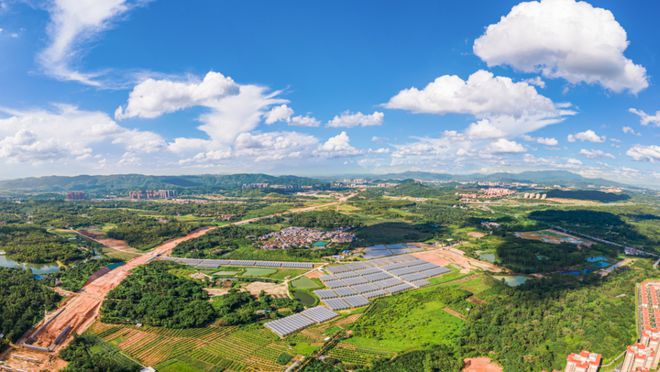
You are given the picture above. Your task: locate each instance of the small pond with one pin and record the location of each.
(512, 280)
(36, 269)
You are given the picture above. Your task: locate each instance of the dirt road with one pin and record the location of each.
(36, 351)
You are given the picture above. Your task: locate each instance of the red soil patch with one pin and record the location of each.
(481, 364)
(314, 274)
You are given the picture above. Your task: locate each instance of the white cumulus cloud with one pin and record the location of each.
(304, 121)
(153, 98)
(36, 136)
(548, 141)
(348, 119)
(588, 136)
(646, 119)
(278, 113)
(505, 146)
(593, 154)
(337, 146)
(232, 108)
(274, 145)
(649, 153)
(565, 39)
(503, 107)
(629, 130)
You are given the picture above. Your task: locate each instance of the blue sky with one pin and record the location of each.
(317, 88)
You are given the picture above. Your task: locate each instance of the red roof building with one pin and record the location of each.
(583, 362)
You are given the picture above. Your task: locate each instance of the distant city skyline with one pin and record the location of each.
(327, 88)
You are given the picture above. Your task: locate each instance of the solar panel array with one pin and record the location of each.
(295, 322)
(213, 263)
(352, 285)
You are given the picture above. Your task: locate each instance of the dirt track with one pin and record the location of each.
(81, 310)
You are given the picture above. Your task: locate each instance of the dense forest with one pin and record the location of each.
(527, 256)
(439, 358)
(88, 353)
(218, 242)
(27, 243)
(242, 308)
(22, 303)
(146, 233)
(153, 296)
(533, 327)
(605, 197)
(323, 219)
(604, 225)
(74, 277)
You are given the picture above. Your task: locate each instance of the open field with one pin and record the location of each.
(306, 283)
(230, 348)
(302, 288)
(273, 289)
(413, 320)
(553, 237)
(444, 256)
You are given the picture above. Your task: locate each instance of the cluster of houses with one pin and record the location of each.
(297, 237)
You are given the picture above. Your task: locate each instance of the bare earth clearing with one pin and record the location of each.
(37, 350)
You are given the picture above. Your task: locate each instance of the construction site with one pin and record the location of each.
(38, 349)
(446, 255)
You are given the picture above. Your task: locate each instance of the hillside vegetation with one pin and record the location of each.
(22, 303)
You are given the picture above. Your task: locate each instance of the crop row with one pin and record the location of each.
(359, 356)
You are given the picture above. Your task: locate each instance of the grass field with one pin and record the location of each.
(255, 272)
(258, 272)
(302, 290)
(405, 323)
(282, 274)
(412, 320)
(122, 255)
(306, 283)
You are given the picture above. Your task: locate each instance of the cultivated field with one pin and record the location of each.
(203, 349)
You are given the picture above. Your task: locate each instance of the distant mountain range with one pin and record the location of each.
(122, 183)
(549, 177)
(114, 184)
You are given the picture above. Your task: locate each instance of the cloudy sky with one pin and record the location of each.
(334, 87)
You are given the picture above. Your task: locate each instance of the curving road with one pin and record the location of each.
(81, 310)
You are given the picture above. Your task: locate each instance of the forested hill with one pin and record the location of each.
(546, 177)
(129, 182)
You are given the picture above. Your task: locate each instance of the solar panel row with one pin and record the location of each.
(289, 324)
(356, 301)
(319, 314)
(295, 322)
(374, 278)
(351, 274)
(337, 304)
